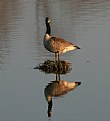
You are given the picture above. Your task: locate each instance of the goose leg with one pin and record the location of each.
(57, 59)
(58, 76)
(56, 56)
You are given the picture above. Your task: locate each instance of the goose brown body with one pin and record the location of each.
(55, 44)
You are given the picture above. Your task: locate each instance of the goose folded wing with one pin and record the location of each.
(61, 42)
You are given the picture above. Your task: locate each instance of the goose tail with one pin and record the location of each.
(78, 83)
(77, 47)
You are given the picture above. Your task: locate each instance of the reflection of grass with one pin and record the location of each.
(50, 66)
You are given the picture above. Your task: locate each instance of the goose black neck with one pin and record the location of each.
(49, 108)
(48, 31)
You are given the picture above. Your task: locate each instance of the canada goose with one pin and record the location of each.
(55, 44)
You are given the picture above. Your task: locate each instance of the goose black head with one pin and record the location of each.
(47, 20)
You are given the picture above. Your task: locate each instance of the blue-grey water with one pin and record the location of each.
(22, 27)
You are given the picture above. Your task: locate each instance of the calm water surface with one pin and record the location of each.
(22, 27)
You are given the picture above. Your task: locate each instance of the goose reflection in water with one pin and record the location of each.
(58, 88)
